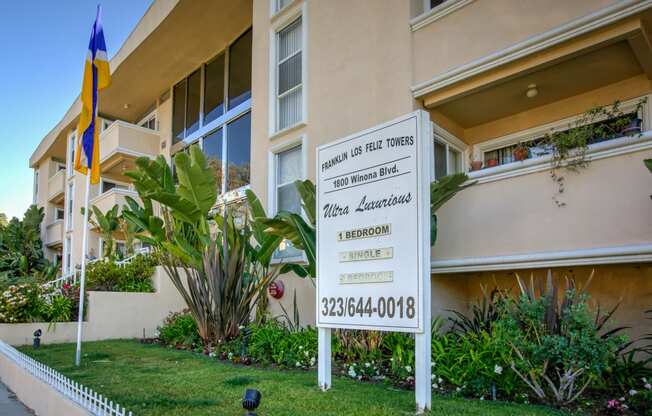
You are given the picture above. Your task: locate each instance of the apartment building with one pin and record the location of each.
(260, 84)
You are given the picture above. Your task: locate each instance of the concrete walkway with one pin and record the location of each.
(9, 404)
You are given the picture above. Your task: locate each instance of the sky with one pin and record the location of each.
(43, 45)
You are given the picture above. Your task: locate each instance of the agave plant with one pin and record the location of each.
(218, 264)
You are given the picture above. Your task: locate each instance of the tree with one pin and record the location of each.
(21, 249)
(107, 223)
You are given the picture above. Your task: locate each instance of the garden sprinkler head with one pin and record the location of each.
(37, 339)
(251, 401)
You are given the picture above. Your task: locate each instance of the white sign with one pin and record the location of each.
(373, 229)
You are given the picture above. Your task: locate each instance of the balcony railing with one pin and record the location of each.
(123, 141)
(108, 199)
(56, 187)
(54, 234)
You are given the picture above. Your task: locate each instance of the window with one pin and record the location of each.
(431, 4)
(71, 153)
(67, 249)
(448, 158)
(535, 146)
(213, 147)
(214, 94)
(105, 124)
(278, 5)
(108, 185)
(214, 89)
(149, 122)
(288, 168)
(238, 152)
(70, 198)
(60, 167)
(225, 126)
(240, 70)
(58, 214)
(289, 76)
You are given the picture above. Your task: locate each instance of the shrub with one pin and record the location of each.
(272, 342)
(20, 303)
(135, 276)
(179, 329)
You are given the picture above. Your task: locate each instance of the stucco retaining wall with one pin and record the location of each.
(111, 315)
(35, 394)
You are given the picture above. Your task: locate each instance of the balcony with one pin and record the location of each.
(54, 234)
(56, 187)
(108, 199)
(122, 143)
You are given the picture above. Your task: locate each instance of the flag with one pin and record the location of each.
(97, 76)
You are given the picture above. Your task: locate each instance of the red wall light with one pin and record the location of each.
(276, 289)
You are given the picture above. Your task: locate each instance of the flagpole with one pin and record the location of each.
(82, 279)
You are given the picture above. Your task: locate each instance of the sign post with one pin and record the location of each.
(373, 238)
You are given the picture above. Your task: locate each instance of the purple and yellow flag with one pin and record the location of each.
(97, 76)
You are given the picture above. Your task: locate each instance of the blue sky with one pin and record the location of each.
(43, 45)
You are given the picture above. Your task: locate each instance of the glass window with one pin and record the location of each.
(108, 185)
(212, 147)
(288, 170)
(67, 258)
(71, 188)
(440, 160)
(454, 161)
(238, 152)
(289, 75)
(150, 123)
(192, 103)
(240, 70)
(58, 213)
(214, 89)
(178, 111)
(71, 154)
(280, 4)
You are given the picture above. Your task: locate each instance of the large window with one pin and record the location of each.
(223, 126)
(225, 85)
(289, 76)
(288, 165)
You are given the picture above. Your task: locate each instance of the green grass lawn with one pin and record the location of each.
(152, 380)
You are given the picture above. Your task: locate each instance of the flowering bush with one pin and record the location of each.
(135, 276)
(20, 303)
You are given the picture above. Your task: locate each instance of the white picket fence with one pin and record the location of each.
(73, 277)
(83, 396)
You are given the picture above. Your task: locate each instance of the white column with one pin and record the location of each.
(324, 358)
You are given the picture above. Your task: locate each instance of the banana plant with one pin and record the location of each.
(218, 266)
(107, 223)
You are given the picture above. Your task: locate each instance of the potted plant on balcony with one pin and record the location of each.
(521, 152)
(475, 164)
(490, 163)
(569, 147)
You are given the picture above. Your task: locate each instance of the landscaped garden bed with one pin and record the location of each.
(151, 380)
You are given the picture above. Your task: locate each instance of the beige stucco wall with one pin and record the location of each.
(111, 315)
(357, 76)
(42, 399)
(486, 26)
